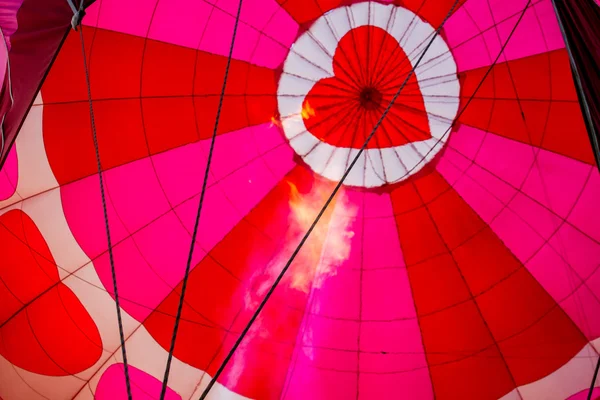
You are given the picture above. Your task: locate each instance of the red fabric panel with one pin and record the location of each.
(536, 113)
(181, 89)
(44, 328)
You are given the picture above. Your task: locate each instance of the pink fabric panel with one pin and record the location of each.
(477, 31)
(143, 386)
(583, 308)
(402, 371)
(9, 175)
(556, 182)
(387, 295)
(180, 171)
(381, 245)
(507, 159)
(172, 24)
(503, 165)
(325, 361)
(492, 183)
(519, 237)
(451, 166)
(579, 250)
(576, 297)
(583, 395)
(204, 26)
(354, 309)
(466, 141)
(238, 148)
(135, 194)
(553, 273)
(567, 266)
(82, 206)
(584, 215)
(216, 38)
(115, 15)
(540, 219)
(481, 200)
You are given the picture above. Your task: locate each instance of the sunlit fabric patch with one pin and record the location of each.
(342, 74)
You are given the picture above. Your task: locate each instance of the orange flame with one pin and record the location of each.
(275, 122)
(329, 244)
(307, 111)
(326, 249)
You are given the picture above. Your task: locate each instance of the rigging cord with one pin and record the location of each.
(591, 391)
(76, 22)
(329, 200)
(202, 193)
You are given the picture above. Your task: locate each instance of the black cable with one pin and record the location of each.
(109, 242)
(195, 233)
(322, 211)
(589, 396)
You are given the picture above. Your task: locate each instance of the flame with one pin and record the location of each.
(275, 122)
(325, 250)
(329, 244)
(307, 111)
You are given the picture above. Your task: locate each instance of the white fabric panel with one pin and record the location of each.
(359, 14)
(322, 30)
(356, 177)
(339, 22)
(297, 65)
(319, 157)
(294, 85)
(374, 174)
(303, 145)
(308, 48)
(337, 164)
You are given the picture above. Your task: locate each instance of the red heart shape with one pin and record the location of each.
(369, 67)
(44, 328)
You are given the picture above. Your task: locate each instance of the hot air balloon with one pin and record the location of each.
(297, 199)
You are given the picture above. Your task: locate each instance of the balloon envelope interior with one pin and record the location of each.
(459, 260)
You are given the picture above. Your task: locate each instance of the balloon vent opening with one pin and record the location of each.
(370, 98)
